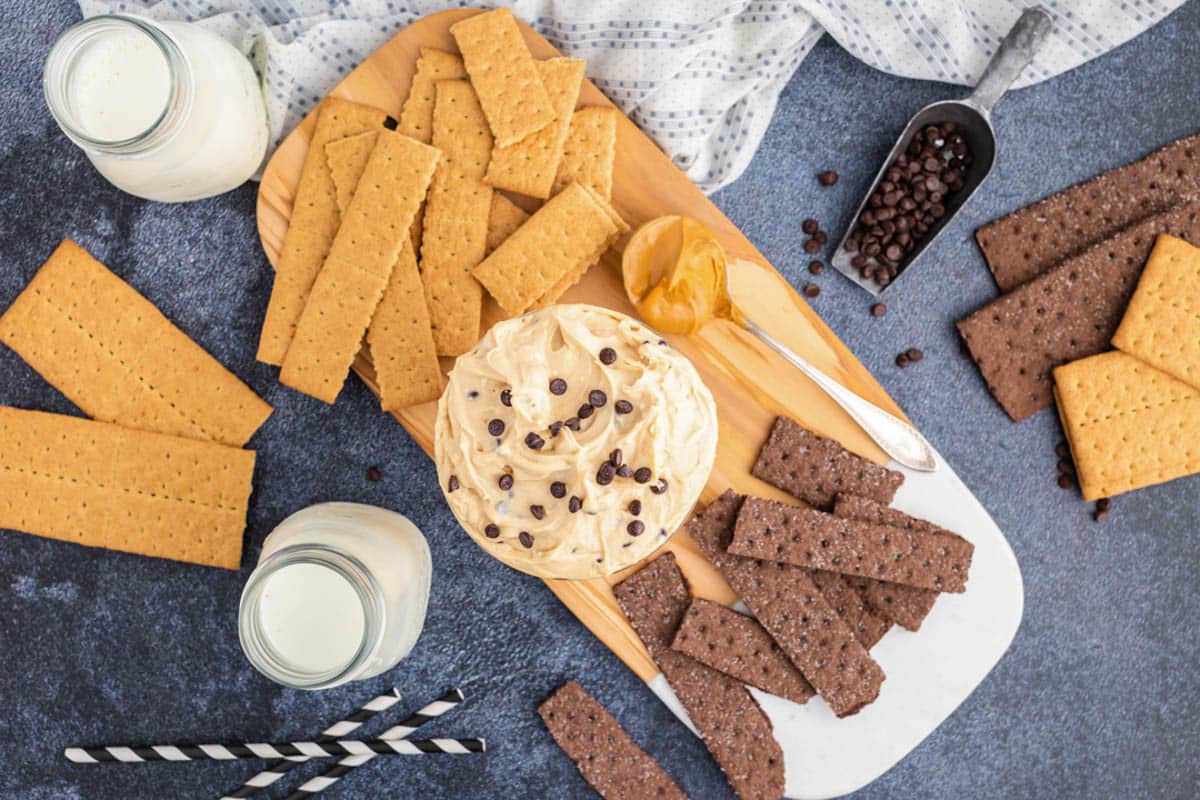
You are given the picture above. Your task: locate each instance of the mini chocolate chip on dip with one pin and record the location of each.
(579, 482)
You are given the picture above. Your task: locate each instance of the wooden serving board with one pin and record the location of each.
(750, 383)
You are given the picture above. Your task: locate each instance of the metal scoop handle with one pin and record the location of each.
(898, 439)
(1014, 54)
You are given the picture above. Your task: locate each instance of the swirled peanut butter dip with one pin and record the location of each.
(571, 442)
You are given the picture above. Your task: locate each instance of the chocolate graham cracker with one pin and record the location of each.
(504, 74)
(815, 469)
(907, 606)
(113, 354)
(607, 758)
(456, 219)
(1161, 325)
(505, 217)
(789, 605)
(589, 151)
(560, 241)
(314, 222)
(1067, 313)
(776, 531)
(529, 166)
(102, 485)
(846, 593)
(731, 723)
(737, 645)
(1129, 425)
(359, 266)
(1028, 242)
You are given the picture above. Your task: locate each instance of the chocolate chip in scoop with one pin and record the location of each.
(534, 442)
(642, 475)
(623, 407)
(572, 423)
(585, 411)
(558, 490)
(659, 487)
(506, 397)
(505, 482)
(574, 504)
(635, 507)
(636, 528)
(606, 473)
(616, 457)
(624, 471)
(452, 484)
(496, 427)
(492, 531)
(558, 386)
(526, 539)
(597, 399)
(607, 355)
(556, 427)
(539, 512)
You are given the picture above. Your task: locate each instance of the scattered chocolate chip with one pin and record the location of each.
(505, 482)
(615, 457)
(1065, 467)
(496, 427)
(821, 237)
(1062, 450)
(642, 475)
(878, 310)
(914, 355)
(572, 423)
(558, 490)
(1103, 504)
(558, 386)
(812, 246)
(635, 507)
(902, 360)
(539, 512)
(596, 399)
(607, 355)
(585, 411)
(452, 484)
(492, 531)
(816, 267)
(574, 504)
(534, 442)
(1100, 514)
(374, 475)
(1066, 482)
(606, 473)
(506, 397)
(556, 428)
(811, 290)
(810, 226)
(636, 528)
(526, 539)
(659, 487)
(624, 471)
(623, 407)
(827, 178)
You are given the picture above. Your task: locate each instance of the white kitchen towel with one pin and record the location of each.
(700, 76)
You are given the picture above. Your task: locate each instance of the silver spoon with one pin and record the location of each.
(972, 115)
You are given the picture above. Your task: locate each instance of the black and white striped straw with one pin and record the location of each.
(228, 752)
(329, 777)
(338, 730)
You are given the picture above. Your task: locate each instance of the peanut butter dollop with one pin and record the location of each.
(674, 274)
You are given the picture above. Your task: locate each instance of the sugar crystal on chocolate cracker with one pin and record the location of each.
(542, 427)
(813, 539)
(607, 758)
(814, 468)
(789, 605)
(731, 723)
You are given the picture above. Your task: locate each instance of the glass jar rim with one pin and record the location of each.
(253, 641)
(62, 55)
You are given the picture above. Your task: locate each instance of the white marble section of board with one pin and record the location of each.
(929, 673)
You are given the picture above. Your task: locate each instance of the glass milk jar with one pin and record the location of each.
(339, 594)
(165, 110)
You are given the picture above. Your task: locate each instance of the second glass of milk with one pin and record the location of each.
(165, 110)
(339, 594)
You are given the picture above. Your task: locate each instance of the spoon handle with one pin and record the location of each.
(1014, 54)
(898, 439)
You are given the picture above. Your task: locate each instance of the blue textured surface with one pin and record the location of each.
(1098, 696)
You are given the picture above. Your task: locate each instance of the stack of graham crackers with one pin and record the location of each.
(398, 232)
(159, 469)
(1106, 263)
(824, 584)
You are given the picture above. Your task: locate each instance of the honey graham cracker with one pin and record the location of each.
(1161, 325)
(456, 219)
(103, 485)
(504, 75)
(504, 218)
(1024, 244)
(314, 223)
(529, 166)
(1128, 424)
(400, 336)
(114, 354)
(589, 150)
(1067, 313)
(559, 242)
(358, 269)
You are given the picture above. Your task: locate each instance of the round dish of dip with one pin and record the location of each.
(571, 442)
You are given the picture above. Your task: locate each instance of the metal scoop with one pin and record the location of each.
(972, 116)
